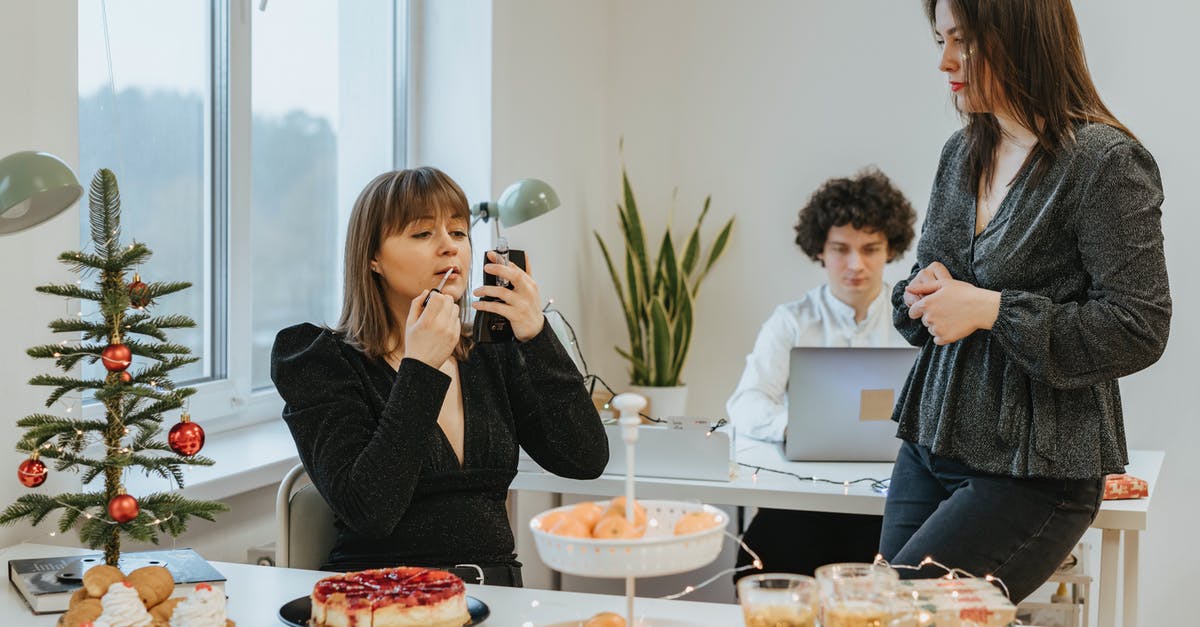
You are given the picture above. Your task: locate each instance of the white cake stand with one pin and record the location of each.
(658, 552)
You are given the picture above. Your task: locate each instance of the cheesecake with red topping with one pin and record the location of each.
(390, 597)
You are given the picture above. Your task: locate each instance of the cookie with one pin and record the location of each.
(153, 583)
(97, 579)
(163, 611)
(86, 611)
(79, 595)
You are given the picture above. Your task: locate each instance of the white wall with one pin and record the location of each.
(1140, 83)
(548, 107)
(758, 102)
(37, 112)
(548, 102)
(451, 91)
(249, 523)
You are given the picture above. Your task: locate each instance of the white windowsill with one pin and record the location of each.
(247, 458)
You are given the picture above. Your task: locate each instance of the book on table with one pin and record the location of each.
(46, 588)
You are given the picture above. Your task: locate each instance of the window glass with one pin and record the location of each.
(149, 123)
(322, 127)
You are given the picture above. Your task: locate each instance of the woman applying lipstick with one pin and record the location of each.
(1040, 280)
(408, 431)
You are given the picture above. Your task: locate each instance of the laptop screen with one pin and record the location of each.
(840, 403)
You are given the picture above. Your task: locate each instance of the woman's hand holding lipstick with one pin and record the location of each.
(433, 327)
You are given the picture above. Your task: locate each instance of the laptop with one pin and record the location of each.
(671, 452)
(840, 403)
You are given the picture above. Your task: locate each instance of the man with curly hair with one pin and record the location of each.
(853, 227)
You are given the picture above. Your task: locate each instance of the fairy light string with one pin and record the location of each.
(69, 402)
(108, 521)
(589, 379)
(86, 513)
(950, 573)
(879, 485)
(91, 516)
(755, 564)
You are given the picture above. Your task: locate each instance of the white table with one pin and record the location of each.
(257, 592)
(1118, 520)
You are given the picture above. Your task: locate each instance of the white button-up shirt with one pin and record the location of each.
(758, 407)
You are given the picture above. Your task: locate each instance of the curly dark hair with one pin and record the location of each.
(868, 201)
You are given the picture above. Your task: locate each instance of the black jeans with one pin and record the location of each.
(1019, 530)
(798, 542)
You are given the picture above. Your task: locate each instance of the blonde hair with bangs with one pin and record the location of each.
(385, 207)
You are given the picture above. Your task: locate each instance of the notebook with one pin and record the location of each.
(840, 403)
(47, 583)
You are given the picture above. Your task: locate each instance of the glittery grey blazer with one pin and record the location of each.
(1078, 259)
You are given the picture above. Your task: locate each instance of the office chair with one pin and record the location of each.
(305, 523)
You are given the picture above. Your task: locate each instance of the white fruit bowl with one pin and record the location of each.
(658, 552)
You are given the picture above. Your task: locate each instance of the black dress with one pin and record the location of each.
(369, 438)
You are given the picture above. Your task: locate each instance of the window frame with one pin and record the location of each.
(226, 400)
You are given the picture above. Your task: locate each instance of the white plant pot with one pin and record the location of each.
(664, 402)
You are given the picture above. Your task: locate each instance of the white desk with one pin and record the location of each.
(1119, 520)
(257, 592)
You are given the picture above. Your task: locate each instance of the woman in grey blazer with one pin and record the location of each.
(1040, 280)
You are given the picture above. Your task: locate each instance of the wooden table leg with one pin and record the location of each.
(1129, 587)
(1109, 555)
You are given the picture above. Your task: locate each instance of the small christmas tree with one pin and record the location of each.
(134, 402)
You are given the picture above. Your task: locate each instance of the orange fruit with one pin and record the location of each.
(570, 527)
(617, 507)
(605, 619)
(613, 527)
(549, 519)
(693, 522)
(587, 512)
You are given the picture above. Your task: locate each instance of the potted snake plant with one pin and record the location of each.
(658, 294)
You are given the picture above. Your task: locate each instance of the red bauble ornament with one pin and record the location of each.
(116, 357)
(126, 377)
(123, 508)
(139, 294)
(32, 472)
(186, 438)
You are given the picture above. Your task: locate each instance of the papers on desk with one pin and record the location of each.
(674, 451)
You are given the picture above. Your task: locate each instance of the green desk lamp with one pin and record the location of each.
(34, 187)
(522, 201)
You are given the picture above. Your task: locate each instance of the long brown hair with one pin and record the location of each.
(1034, 53)
(387, 205)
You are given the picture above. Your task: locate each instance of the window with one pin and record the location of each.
(240, 143)
(322, 128)
(153, 131)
